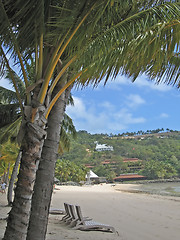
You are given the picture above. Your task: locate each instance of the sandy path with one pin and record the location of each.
(135, 216)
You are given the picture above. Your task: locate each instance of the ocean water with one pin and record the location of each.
(168, 188)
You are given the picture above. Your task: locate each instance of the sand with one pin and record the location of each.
(135, 216)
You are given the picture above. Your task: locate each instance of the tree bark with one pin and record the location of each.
(7, 175)
(12, 179)
(45, 175)
(32, 142)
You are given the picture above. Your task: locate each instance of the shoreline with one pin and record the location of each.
(135, 216)
(168, 180)
(133, 187)
(138, 189)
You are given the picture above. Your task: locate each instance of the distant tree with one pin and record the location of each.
(101, 170)
(9, 152)
(69, 171)
(154, 169)
(111, 175)
(174, 161)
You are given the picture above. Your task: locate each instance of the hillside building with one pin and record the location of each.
(134, 164)
(103, 147)
(129, 177)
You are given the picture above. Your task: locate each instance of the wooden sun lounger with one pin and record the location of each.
(56, 211)
(91, 225)
(67, 213)
(71, 213)
(75, 218)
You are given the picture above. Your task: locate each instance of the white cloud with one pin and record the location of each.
(107, 105)
(78, 110)
(164, 115)
(116, 84)
(86, 117)
(126, 117)
(103, 119)
(134, 100)
(141, 82)
(5, 83)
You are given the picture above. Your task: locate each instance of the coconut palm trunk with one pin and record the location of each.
(12, 179)
(45, 175)
(7, 175)
(32, 142)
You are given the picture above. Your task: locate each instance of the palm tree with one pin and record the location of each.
(11, 131)
(45, 175)
(88, 39)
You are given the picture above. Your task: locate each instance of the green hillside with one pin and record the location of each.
(159, 153)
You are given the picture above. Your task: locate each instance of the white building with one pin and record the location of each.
(91, 176)
(103, 147)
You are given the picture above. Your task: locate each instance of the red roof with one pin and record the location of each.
(125, 176)
(131, 160)
(107, 162)
(89, 166)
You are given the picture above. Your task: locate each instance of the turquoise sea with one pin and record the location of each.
(167, 188)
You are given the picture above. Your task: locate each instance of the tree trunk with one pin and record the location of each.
(45, 175)
(7, 175)
(32, 142)
(12, 179)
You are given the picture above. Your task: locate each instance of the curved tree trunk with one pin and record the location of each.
(45, 175)
(12, 179)
(32, 142)
(7, 175)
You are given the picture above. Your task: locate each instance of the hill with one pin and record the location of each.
(158, 154)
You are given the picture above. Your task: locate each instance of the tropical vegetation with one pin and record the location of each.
(68, 171)
(81, 42)
(8, 155)
(159, 156)
(11, 125)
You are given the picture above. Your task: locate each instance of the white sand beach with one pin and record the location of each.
(135, 216)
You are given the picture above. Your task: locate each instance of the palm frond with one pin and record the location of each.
(132, 44)
(70, 100)
(10, 131)
(108, 37)
(64, 143)
(67, 131)
(19, 83)
(7, 96)
(8, 113)
(68, 126)
(12, 35)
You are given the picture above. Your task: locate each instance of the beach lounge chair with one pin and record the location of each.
(67, 213)
(74, 217)
(56, 211)
(88, 225)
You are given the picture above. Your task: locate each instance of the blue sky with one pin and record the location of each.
(123, 106)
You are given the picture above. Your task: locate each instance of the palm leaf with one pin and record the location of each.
(7, 96)
(67, 131)
(10, 131)
(119, 52)
(8, 113)
(106, 41)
